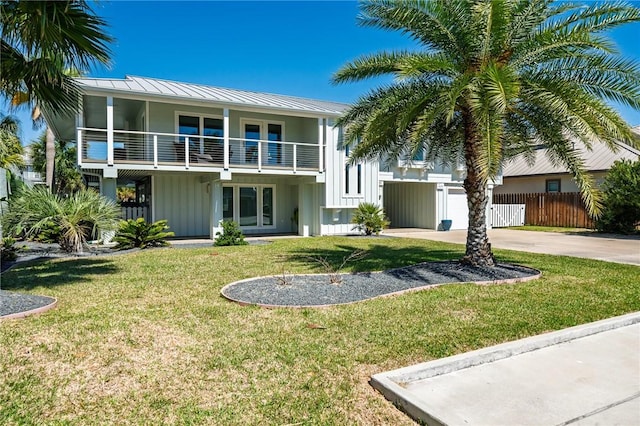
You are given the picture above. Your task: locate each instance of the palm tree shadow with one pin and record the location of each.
(44, 273)
(378, 257)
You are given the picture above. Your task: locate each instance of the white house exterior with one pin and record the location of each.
(198, 155)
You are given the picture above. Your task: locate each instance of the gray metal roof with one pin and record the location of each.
(217, 95)
(600, 158)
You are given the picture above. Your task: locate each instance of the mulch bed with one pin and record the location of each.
(317, 290)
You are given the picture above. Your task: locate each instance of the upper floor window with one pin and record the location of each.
(352, 176)
(552, 185)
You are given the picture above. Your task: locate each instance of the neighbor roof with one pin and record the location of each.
(600, 158)
(217, 95)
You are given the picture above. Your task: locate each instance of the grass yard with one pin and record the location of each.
(145, 338)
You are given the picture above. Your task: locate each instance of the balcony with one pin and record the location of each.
(168, 151)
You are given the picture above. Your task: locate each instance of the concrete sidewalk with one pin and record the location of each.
(611, 248)
(584, 375)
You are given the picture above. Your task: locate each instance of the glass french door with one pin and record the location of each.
(252, 132)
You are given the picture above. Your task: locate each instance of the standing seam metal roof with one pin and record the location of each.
(173, 89)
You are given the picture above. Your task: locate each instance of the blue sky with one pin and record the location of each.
(288, 47)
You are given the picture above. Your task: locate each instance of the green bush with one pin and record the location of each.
(621, 201)
(369, 218)
(8, 250)
(140, 234)
(70, 220)
(231, 235)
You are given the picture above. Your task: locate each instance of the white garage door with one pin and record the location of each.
(457, 209)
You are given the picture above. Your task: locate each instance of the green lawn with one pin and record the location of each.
(145, 338)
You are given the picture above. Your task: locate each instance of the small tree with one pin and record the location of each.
(369, 218)
(621, 212)
(231, 235)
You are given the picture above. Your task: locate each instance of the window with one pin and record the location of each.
(210, 147)
(258, 130)
(552, 185)
(275, 149)
(352, 181)
(250, 206)
(227, 203)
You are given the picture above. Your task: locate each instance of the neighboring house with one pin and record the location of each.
(519, 177)
(198, 155)
(27, 174)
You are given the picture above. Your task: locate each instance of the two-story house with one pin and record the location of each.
(199, 154)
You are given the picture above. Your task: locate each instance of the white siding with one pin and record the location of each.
(335, 195)
(410, 205)
(183, 201)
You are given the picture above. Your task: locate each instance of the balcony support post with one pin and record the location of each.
(320, 143)
(155, 151)
(225, 135)
(110, 130)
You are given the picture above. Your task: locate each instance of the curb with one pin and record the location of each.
(393, 384)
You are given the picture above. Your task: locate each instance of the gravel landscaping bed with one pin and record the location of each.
(316, 290)
(14, 303)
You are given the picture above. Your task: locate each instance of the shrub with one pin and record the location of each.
(621, 201)
(369, 218)
(140, 234)
(71, 220)
(8, 250)
(231, 235)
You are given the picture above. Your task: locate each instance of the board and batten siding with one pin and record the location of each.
(410, 204)
(335, 196)
(184, 202)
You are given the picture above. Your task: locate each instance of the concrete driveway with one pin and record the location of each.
(611, 248)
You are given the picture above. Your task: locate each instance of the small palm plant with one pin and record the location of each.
(77, 217)
(369, 218)
(140, 234)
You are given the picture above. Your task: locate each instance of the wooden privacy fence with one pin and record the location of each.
(550, 209)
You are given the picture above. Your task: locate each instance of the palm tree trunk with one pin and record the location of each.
(50, 156)
(478, 250)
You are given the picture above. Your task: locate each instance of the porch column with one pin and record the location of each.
(110, 130)
(225, 131)
(216, 217)
(306, 209)
(109, 188)
(321, 144)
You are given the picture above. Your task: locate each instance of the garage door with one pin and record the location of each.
(457, 209)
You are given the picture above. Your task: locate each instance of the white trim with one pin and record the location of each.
(110, 130)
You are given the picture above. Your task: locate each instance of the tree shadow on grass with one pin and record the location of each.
(378, 257)
(45, 273)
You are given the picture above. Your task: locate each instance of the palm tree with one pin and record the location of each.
(72, 219)
(10, 147)
(41, 42)
(493, 79)
(67, 179)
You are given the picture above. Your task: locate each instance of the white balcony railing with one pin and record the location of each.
(168, 149)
